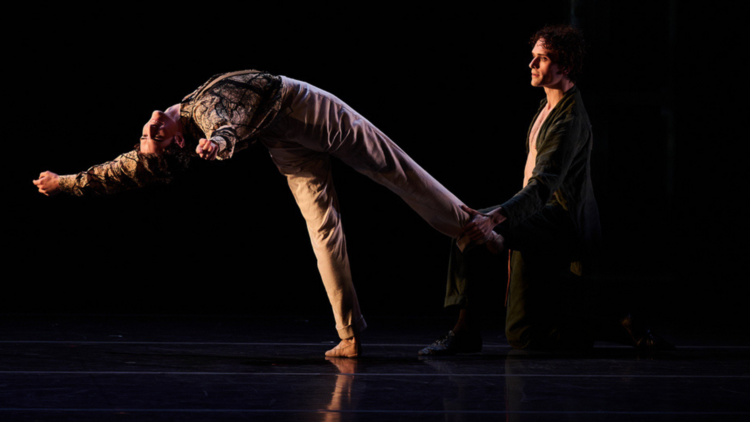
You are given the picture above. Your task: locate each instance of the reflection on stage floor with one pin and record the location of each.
(206, 368)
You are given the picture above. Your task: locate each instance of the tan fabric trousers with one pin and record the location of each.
(316, 125)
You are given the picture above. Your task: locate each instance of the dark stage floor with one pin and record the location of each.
(199, 368)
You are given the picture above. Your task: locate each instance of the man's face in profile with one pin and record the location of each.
(544, 71)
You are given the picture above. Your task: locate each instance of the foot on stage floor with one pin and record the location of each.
(348, 348)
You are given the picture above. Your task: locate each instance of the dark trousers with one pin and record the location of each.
(549, 306)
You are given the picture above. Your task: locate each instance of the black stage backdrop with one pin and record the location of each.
(450, 86)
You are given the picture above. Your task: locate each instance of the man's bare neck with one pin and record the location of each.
(174, 113)
(555, 93)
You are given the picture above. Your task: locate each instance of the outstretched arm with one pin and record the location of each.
(128, 171)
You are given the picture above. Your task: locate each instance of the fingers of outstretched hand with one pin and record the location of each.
(47, 183)
(41, 187)
(40, 181)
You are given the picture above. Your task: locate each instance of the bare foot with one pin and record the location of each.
(348, 348)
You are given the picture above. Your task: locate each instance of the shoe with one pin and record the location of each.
(642, 338)
(452, 343)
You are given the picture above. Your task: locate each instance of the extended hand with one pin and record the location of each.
(479, 228)
(207, 149)
(48, 183)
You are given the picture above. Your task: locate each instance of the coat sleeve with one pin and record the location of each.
(221, 123)
(234, 110)
(226, 138)
(227, 115)
(555, 155)
(128, 171)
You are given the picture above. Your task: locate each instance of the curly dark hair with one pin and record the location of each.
(167, 165)
(567, 45)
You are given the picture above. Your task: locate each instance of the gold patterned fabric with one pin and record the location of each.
(230, 109)
(127, 171)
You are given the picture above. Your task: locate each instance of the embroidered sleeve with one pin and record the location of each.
(127, 171)
(232, 111)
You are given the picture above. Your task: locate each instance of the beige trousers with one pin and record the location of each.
(316, 125)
